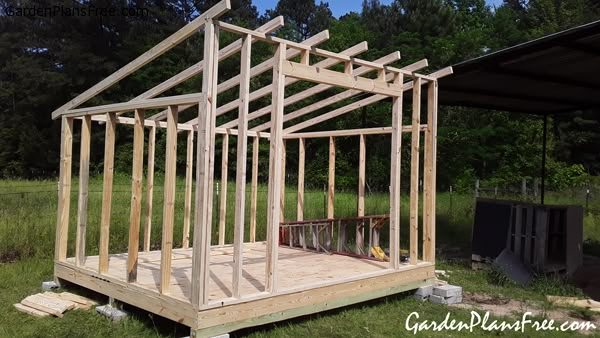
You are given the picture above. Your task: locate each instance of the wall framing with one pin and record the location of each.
(199, 309)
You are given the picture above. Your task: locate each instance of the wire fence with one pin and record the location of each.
(530, 191)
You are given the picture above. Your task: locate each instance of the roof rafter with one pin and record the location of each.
(254, 71)
(364, 102)
(338, 97)
(266, 90)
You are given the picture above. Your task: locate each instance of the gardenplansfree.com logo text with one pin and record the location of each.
(91, 10)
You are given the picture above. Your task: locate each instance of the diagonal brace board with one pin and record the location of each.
(156, 51)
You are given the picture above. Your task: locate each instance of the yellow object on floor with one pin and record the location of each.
(379, 254)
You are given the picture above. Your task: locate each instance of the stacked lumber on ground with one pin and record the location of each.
(53, 304)
(573, 301)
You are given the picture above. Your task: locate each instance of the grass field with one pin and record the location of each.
(27, 225)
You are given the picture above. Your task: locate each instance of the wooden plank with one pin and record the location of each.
(362, 166)
(223, 202)
(265, 91)
(180, 126)
(254, 192)
(414, 173)
(131, 293)
(31, 311)
(331, 180)
(107, 186)
(149, 188)
(240, 181)
(169, 201)
(301, 157)
(275, 170)
(350, 132)
(326, 76)
(230, 318)
(282, 194)
(84, 175)
(64, 190)
(205, 171)
(395, 175)
(165, 45)
(429, 198)
(46, 304)
(187, 209)
(132, 105)
(82, 302)
(137, 176)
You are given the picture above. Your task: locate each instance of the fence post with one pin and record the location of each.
(324, 200)
(535, 187)
(587, 200)
(524, 187)
(450, 201)
(477, 188)
(495, 192)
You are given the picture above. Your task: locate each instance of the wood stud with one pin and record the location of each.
(136, 196)
(414, 174)
(275, 171)
(84, 175)
(240, 181)
(254, 187)
(149, 188)
(223, 201)
(169, 201)
(64, 189)
(109, 163)
(187, 208)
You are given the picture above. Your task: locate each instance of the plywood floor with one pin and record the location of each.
(296, 268)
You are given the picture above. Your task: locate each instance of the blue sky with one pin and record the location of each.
(338, 7)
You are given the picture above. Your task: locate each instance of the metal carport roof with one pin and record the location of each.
(558, 73)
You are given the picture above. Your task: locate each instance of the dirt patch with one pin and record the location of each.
(506, 307)
(10, 257)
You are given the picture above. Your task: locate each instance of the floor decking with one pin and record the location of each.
(309, 282)
(296, 268)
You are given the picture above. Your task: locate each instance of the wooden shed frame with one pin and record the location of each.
(176, 283)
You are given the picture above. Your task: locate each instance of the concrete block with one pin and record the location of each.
(112, 313)
(447, 291)
(435, 299)
(423, 292)
(50, 285)
(224, 335)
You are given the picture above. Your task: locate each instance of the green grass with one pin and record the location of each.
(381, 318)
(27, 228)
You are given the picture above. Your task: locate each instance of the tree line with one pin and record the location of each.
(47, 60)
